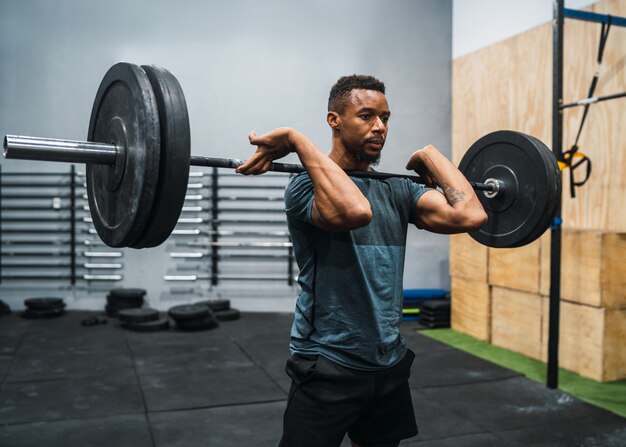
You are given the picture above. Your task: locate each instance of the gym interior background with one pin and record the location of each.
(243, 66)
(454, 71)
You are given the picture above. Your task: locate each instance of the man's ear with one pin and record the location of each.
(333, 119)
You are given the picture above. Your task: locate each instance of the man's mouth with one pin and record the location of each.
(375, 142)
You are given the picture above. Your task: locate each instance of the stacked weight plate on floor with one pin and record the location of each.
(435, 314)
(137, 201)
(531, 187)
(143, 319)
(221, 309)
(193, 317)
(37, 308)
(124, 298)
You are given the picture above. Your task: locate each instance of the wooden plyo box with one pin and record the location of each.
(516, 321)
(593, 270)
(471, 308)
(468, 258)
(516, 268)
(592, 340)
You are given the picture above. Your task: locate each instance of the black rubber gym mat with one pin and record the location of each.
(258, 424)
(259, 325)
(55, 400)
(5, 363)
(435, 421)
(605, 430)
(10, 339)
(30, 366)
(183, 358)
(208, 388)
(453, 367)
(420, 344)
(271, 354)
(74, 339)
(477, 440)
(198, 404)
(127, 430)
(511, 403)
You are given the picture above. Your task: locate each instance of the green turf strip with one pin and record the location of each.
(609, 395)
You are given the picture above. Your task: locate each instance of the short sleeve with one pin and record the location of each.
(299, 195)
(415, 192)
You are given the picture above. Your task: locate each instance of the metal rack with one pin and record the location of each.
(40, 217)
(229, 245)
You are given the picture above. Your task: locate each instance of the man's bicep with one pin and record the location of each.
(434, 213)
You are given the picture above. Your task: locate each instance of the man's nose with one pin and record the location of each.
(379, 126)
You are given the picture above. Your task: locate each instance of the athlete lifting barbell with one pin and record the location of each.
(348, 228)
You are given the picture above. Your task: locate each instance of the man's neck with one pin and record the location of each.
(345, 160)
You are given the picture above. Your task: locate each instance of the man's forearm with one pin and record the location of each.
(456, 188)
(339, 203)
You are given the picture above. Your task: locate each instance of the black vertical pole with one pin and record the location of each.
(214, 226)
(73, 224)
(552, 380)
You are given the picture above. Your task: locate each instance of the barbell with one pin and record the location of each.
(138, 156)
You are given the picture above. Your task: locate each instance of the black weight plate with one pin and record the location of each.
(35, 314)
(138, 315)
(174, 158)
(161, 324)
(435, 319)
(197, 325)
(189, 312)
(112, 310)
(227, 315)
(44, 303)
(554, 193)
(215, 305)
(124, 113)
(526, 207)
(125, 302)
(5, 309)
(127, 292)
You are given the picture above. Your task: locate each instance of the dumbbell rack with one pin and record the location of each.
(232, 241)
(40, 216)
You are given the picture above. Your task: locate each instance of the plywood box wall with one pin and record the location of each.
(508, 85)
(592, 340)
(517, 321)
(593, 268)
(471, 308)
(468, 258)
(516, 268)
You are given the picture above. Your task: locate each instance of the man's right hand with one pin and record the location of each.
(271, 146)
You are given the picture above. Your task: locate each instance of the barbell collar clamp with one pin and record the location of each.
(497, 187)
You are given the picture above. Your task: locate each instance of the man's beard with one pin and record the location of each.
(372, 160)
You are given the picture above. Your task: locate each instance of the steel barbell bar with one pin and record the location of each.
(87, 152)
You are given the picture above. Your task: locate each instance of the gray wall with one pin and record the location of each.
(243, 65)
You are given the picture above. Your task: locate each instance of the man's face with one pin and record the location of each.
(363, 124)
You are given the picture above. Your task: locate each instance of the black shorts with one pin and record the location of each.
(327, 400)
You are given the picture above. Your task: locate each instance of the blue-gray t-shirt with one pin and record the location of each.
(350, 306)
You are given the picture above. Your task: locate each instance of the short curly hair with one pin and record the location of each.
(340, 92)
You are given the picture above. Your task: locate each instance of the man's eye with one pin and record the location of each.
(365, 116)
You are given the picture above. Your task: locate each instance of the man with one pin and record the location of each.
(349, 364)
